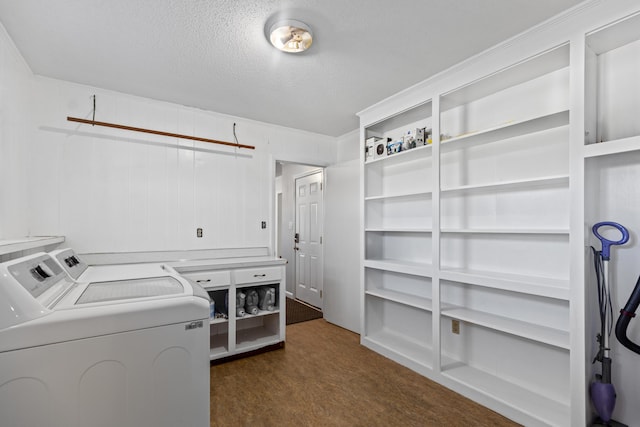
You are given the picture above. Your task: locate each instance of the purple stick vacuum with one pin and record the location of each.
(603, 394)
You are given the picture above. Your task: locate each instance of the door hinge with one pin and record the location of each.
(320, 293)
(320, 239)
(320, 186)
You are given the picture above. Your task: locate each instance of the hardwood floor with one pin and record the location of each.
(324, 377)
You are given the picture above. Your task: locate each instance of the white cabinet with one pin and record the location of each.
(232, 334)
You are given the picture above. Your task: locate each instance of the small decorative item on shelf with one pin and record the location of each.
(420, 139)
(369, 147)
(212, 309)
(408, 141)
(251, 302)
(240, 300)
(267, 299)
(423, 136)
(394, 147)
(381, 148)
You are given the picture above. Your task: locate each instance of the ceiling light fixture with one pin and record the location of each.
(290, 36)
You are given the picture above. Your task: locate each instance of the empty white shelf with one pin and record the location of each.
(508, 130)
(218, 345)
(506, 231)
(418, 194)
(607, 148)
(402, 298)
(538, 406)
(260, 336)
(402, 346)
(399, 230)
(544, 334)
(534, 285)
(552, 180)
(414, 268)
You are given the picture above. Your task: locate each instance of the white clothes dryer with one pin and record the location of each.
(130, 352)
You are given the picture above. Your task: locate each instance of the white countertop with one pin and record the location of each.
(8, 246)
(189, 266)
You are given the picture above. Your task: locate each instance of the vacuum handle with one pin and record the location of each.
(626, 314)
(606, 243)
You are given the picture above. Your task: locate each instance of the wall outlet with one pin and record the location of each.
(455, 326)
(263, 224)
(198, 232)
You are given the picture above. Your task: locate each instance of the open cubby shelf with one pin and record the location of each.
(538, 406)
(543, 334)
(405, 347)
(507, 130)
(402, 298)
(520, 184)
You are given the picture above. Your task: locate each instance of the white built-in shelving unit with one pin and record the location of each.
(474, 269)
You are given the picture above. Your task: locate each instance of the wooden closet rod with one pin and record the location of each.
(156, 132)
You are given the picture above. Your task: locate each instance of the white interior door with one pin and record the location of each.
(308, 239)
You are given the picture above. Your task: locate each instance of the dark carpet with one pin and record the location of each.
(299, 312)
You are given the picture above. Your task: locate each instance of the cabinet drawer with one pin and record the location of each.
(254, 275)
(210, 279)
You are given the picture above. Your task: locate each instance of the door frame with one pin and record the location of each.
(322, 171)
(273, 206)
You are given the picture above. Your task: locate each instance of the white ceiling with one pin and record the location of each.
(212, 54)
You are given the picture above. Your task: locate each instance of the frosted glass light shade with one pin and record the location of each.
(290, 36)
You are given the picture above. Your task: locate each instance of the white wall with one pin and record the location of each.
(341, 256)
(109, 190)
(15, 134)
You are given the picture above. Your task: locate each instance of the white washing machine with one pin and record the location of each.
(129, 352)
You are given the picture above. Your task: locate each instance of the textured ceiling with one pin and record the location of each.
(212, 54)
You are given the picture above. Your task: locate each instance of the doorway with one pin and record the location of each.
(308, 238)
(304, 269)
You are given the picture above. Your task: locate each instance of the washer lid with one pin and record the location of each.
(130, 289)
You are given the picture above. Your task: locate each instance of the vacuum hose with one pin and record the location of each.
(626, 314)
